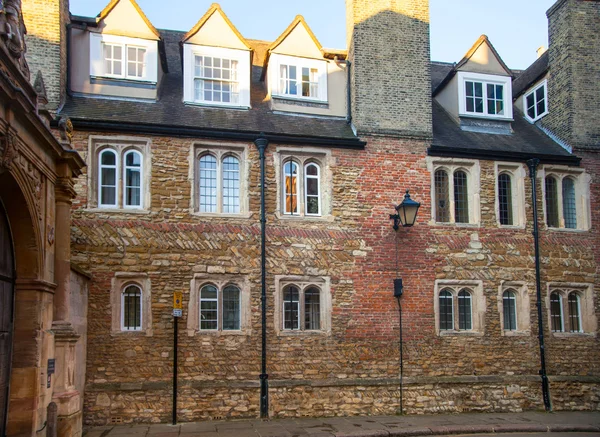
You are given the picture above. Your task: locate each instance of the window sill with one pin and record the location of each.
(124, 82)
(305, 218)
(302, 333)
(486, 117)
(141, 333)
(576, 231)
(574, 334)
(118, 210)
(452, 333)
(515, 227)
(295, 99)
(243, 215)
(217, 105)
(515, 333)
(456, 225)
(198, 333)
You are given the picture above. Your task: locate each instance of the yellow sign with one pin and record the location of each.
(178, 300)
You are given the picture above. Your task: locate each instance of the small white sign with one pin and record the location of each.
(177, 312)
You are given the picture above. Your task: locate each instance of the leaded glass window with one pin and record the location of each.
(569, 208)
(291, 307)
(461, 197)
(231, 185)
(290, 183)
(231, 308)
(574, 312)
(312, 309)
(464, 310)
(505, 207)
(132, 308)
(446, 310)
(556, 313)
(509, 306)
(551, 187)
(208, 183)
(442, 197)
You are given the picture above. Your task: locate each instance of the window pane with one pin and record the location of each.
(556, 312)
(478, 89)
(551, 202)
(231, 185)
(132, 308)
(290, 174)
(209, 308)
(531, 105)
(442, 203)
(312, 314)
(569, 208)
(231, 308)
(446, 310)
(574, 313)
(109, 177)
(291, 308)
(505, 199)
(108, 158)
(461, 200)
(108, 196)
(132, 187)
(464, 310)
(509, 304)
(208, 184)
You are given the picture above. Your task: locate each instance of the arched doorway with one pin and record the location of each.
(7, 280)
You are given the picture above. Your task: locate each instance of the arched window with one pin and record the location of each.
(231, 185)
(461, 197)
(231, 308)
(133, 179)
(442, 201)
(291, 307)
(505, 206)
(290, 183)
(574, 312)
(509, 305)
(209, 308)
(312, 189)
(556, 312)
(131, 304)
(465, 321)
(569, 208)
(446, 310)
(551, 186)
(208, 183)
(107, 180)
(312, 309)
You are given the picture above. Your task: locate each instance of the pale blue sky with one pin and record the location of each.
(515, 27)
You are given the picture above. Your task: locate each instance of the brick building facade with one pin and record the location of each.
(171, 202)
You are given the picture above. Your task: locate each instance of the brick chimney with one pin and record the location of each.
(46, 39)
(388, 45)
(573, 91)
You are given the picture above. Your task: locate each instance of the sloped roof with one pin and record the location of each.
(170, 111)
(214, 8)
(107, 10)
(531, 75)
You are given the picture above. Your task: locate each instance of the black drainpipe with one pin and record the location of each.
(349, 92)
(261, 144)
(532, 164)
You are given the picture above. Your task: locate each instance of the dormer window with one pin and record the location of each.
(118, 57)
(298, 78)
(535, 102)
(484, 95)
(216, 76)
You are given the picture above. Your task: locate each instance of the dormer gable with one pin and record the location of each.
(215, 29)
(125, 18)
(297, 40)
(478, 87)
(216, 62)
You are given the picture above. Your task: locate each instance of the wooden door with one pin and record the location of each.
(7, 279)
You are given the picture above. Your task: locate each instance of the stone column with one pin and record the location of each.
(65, 394)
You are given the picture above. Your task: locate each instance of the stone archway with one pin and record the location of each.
(32, 304)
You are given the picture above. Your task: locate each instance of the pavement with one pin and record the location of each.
(370, 426)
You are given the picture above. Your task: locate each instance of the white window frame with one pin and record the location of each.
(517, 174)
(451, 165)
(218, 300)
(533, 90)
(304, 156)
(582, 182)
(190, 51)
(220, 151)
(275, 63)
(292, 163)
(97, 65)
(478, 306)
(124, 176)
(323, 284)
(587, 313)
(119, 282)
(306, 195)
(108, 150)
(505, 81)
(220, 281)
(132, 284)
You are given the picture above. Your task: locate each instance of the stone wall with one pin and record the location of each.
(355, 369)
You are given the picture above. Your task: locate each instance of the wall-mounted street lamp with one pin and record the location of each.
(406, 212)
(406, 215)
